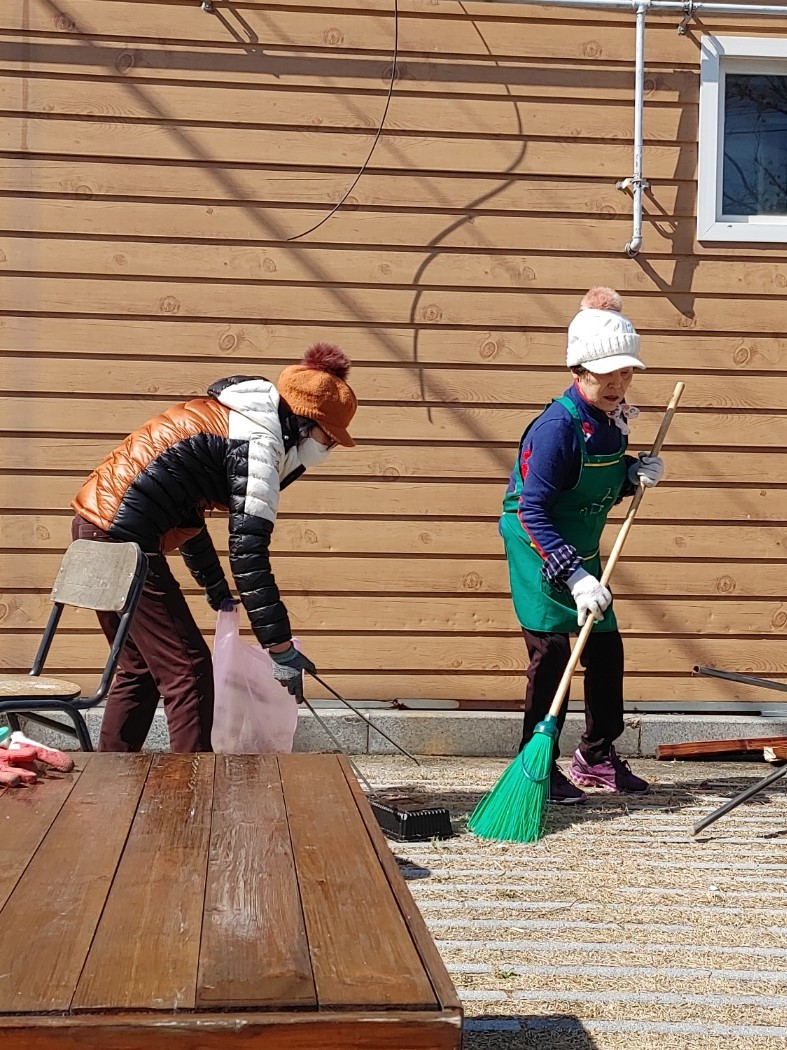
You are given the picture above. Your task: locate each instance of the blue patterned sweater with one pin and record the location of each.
(550, 460)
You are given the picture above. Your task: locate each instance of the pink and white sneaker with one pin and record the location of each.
(613, 774)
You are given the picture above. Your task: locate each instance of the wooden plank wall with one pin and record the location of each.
(156, 160)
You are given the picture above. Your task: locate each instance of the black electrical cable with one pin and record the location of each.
(376, 139)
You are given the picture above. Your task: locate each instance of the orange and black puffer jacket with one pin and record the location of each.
(233, 450)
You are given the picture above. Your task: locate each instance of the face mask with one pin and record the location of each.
(311, 453)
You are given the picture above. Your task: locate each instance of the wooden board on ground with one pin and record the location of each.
(696, 749)
(219, 904)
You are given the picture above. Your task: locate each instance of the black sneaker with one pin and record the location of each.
(561, 791)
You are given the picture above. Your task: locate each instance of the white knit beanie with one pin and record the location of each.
(600, 338)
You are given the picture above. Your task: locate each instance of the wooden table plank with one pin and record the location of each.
(430, 957)
(49, 920)
(26, 814)
(361, 950)
(254, 950)
(348, 1030)
(145, 952)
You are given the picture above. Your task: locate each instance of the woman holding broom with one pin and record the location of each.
(571, 470)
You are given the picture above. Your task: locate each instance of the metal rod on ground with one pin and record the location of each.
(744, 795)
(745, 679)
(324, 725)
(368, 721)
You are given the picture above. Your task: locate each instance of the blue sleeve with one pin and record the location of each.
(549, 464)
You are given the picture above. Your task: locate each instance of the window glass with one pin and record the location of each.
(754, 178)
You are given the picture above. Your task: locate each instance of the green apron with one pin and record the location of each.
(579, 515)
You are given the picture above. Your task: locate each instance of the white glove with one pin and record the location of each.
(590, 595)
(647, 469)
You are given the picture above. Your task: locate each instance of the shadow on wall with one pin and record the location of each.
(549, 1032)
(419, 313)
(271, 224)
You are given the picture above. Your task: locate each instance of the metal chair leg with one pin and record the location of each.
(744, 795)
(80, 725)
(78, 728)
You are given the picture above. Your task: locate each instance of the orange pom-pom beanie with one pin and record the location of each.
(317, 389)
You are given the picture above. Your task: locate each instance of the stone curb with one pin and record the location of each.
(477, 734)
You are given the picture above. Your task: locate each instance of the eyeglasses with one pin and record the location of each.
(324, 438)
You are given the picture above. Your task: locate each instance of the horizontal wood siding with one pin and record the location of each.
(155, 161)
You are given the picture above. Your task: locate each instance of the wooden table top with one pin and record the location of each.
(205, 896)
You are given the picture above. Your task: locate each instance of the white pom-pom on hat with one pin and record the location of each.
(600, 337)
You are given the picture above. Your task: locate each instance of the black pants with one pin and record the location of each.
(603, 662)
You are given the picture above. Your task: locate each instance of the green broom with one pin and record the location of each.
(515, 808)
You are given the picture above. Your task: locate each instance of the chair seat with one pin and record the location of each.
(22, 686)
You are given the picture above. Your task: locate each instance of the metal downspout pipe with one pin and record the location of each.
(637, 183)
(689, 9)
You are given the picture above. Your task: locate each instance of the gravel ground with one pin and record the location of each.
(618, 929)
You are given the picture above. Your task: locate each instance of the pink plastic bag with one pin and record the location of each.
(253, 714)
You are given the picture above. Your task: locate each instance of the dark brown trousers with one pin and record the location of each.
(602, 659)
(164, 656)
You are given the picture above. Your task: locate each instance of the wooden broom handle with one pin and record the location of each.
(584, 634)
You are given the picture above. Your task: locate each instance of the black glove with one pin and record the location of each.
(228, 604)
(219, 596)
(288, 668)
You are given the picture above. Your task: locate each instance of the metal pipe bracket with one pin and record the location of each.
(688, 14)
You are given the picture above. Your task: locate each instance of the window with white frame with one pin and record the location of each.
(742, 181)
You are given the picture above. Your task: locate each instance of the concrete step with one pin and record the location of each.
(491, 734)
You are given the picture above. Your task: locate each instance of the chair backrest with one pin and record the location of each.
(101, 576)
(107, 577)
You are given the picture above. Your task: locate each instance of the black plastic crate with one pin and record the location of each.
(406, 820)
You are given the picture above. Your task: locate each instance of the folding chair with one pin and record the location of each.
(106, 577)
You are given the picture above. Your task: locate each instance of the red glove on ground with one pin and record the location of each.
(11, 774)
(50, 756)
(18, 760)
